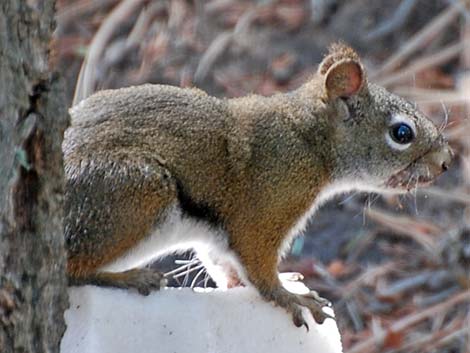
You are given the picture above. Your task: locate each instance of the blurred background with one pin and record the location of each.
(397, 268)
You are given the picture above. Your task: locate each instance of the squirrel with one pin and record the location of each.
(153, 169)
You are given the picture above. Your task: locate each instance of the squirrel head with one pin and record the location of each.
(380, 141)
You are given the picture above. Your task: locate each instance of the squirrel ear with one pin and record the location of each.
(343, 72)
(344, 79)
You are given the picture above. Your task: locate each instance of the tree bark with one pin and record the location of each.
(32, 121)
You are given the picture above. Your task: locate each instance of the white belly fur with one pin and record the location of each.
(177, 233)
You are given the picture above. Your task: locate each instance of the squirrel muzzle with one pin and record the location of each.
(424, 170)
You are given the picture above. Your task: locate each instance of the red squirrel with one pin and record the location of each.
(153, 169)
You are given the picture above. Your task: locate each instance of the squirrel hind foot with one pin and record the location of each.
(143, 280)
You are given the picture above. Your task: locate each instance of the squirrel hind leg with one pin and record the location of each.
(143, 280)
(107, 217)
(228, 277)
(221, 269)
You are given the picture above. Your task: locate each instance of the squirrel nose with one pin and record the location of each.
(438, 161)
(444, 157)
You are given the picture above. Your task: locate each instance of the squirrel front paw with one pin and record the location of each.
(294, 303)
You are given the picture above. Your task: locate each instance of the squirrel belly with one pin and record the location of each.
(179, 232)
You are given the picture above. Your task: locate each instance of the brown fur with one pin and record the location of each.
(251, 166)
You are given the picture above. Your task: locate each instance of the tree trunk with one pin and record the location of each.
(32, 121)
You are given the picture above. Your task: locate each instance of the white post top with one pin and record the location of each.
(182, 320)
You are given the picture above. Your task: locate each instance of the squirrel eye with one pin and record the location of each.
(402, 133)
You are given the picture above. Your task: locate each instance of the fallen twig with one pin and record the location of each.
(420, 39)
(398, 18)
(376, 341)
(419, 231)
(87, 76)
(423, 63)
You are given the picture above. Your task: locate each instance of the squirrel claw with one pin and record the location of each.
(320, 316)
(298, 318)
(315, 304)
(320, 300)
(294, 304)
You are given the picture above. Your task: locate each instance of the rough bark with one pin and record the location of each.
(32, 122)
